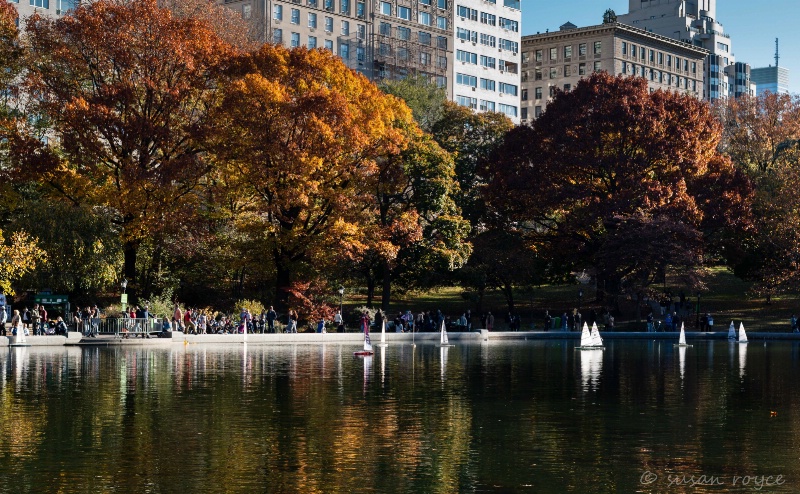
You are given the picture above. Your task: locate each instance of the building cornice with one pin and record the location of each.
(616, 29)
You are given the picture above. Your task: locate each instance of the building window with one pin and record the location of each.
(598, 47)
(404, 13)
(424, 18)
(567, 71)
(694, 67)
(624, 48)
(641, 52)
(361, 54)
(466, 80)
(402, 53)
(329, 25)
(467, 13)
(652, 56)
(509, 45)
(345, 28)
(568, 51)
(385, 50)
(553, 73)
(553, 53)
(508, 89)
(441, 22)
(488, 40)
(246, 11)
(425, 58)
(277, 36)
(487, 84)
(361, 10)
(537, 93)
(487, 105)
(361, 31)
(466, 57)
(537, 55)
(386, 8)
(669, 60)
(344, 51)
(312, 20)
(277, 12)
(489, 19)
(553, 91)
(582, 49)
(467, 101)
(328, 5)
(537, 75)
(441, 61)
(567, 87)
(442, 4)
(424, 38)
(345, 7)
(509, 110)
(597, 67)
(441, 42)
(660, 59)
(312, 42)
(295, 40)
(489, 62)
(581, 69)
(509, 24)
(329, 45)
(403, 33)
(312, 3)
(295, 16)
(537, 111)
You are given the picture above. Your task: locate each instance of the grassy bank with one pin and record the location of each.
(726, 298)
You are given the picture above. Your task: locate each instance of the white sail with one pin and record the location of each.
(383, 343)
(586, 338)
(595, 336)
(367, 343)
(731, 332)
(682, 339)
(444, 335)
(742, 334)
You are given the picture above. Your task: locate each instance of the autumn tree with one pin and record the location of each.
(418, 230)
(761, 135)
(20, 256)
(126, 88)
(302, 135)
(615, 178)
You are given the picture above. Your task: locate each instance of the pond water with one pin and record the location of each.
(535, 416)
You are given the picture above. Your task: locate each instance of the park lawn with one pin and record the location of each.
(726, 298)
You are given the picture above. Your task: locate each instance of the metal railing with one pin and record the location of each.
(120, 327)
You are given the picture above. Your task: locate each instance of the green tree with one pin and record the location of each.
(425, 99)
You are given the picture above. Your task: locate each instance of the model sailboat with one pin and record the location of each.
(731, 332)
(383, 343)
(367, 344)
(443, 341)
(590, 340)
(742, 334)
(682, 338)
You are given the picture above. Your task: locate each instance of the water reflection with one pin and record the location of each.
(311, 418)
(742, 359)
(591, 367)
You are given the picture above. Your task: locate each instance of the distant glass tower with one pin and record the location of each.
(773, 79)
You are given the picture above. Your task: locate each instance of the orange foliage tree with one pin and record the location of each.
(301, 134)
(126, 88)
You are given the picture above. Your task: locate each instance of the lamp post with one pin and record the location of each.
(341, 300)
(124, 297)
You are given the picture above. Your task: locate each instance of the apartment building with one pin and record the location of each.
(487, 56)
(468, 47)
(558, 60)
(694, 22)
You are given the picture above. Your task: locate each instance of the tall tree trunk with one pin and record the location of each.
(283, 279)
(387, 287)
(508, 291)
(130, 249)
(370, 289)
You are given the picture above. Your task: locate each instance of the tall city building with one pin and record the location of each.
(773, 79)
(487, 61)
(694, 22)
(557, 60)
(468, 47)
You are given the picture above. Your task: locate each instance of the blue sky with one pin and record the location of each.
(752, 25)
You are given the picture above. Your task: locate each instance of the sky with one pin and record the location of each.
(752, 25)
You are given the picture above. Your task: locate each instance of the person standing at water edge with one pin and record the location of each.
(271, 316)
(489, 321)
(338, 322)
